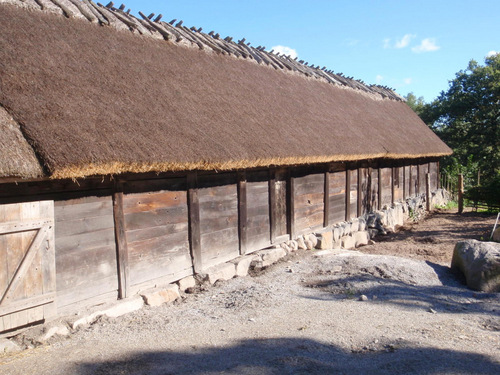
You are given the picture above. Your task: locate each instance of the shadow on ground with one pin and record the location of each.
(295, 356)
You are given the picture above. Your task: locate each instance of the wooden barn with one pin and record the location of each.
(136, 152)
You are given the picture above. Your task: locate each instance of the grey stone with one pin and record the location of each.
(337, 233)
(224, 271)
(60, 330)
(480, 263)
(346, 229)
(373, 232)
(313, 239)
(363, 298)
(309, 244)
(301, 243)
(7, 346)
(243, 263)
(337, 244)
(362, 224)
(496, 235)
(371, 221)
(348, 242)
(325, 240)
(186, 282)
(267, 257)
(119, 308)
(354, 225)
(293, 245)
(159, 296)
(361, 238)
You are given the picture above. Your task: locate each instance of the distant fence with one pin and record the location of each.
(476, 197)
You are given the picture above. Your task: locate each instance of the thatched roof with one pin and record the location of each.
(17, 158)
(96, 100)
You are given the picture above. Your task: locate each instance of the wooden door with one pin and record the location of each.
(27, 264)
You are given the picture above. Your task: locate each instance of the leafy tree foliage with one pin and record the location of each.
(467, 118)
(417, 104)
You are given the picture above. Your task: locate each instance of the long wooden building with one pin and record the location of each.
(135, 152)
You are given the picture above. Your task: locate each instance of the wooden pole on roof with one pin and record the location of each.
(460, 193)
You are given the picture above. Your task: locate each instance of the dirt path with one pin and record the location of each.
(305, 316)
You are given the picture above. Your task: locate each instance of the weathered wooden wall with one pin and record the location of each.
(156, 230)
(85, 250)
(308, 195)
(115, 238)
(218, 205)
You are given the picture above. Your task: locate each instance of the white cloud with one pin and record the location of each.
(379, 78)
(404, 41)
(286, 51)
(407, 81)
(401, 43)
(492, 53)
(427, 45)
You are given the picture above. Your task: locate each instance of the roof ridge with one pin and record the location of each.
(193, 37)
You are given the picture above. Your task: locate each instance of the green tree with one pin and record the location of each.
(417, 104)
(467, 118)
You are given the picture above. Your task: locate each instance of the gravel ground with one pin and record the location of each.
(347, 312)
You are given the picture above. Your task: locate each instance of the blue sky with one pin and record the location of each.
(411, 46)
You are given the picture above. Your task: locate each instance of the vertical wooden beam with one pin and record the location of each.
(360, 197)
(326, 198)
(418, 180)
(428, 191)
(460, 193)
(394, 170)
(194, 221)
(122, 255)
(410, 182)
(379, 172)
(347, 194)
(291, 204)
(404, 183)
(242, 211)
(272, 204)
(438, 171)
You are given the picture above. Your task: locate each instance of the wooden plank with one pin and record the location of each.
(142, 234)
(359, 193)
(82, 207)
(326, 200)
(291, 205)
(93, 264)
(80, 242)
(242, 212)
(27, 303)
(121, 243)
(194, 221)
(393, 171)
(157, 218)
(272, 206)
(348, 195)
(147, 202)
(380, 188)
(23, 226)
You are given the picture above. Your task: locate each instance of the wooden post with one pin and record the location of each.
(428, 191)
(404, 183)
(379, 203)
(460, 193)
(347, 194)
(360, 198)
(394, 170)
(326, 199)
(479, 177)
(121, 242)
(242, 211)
(194, 221)
(291, 205)
(272, 204)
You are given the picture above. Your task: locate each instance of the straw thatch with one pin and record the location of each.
(93, 100)
(17, 158)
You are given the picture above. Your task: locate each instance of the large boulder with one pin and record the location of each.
(480, 263)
